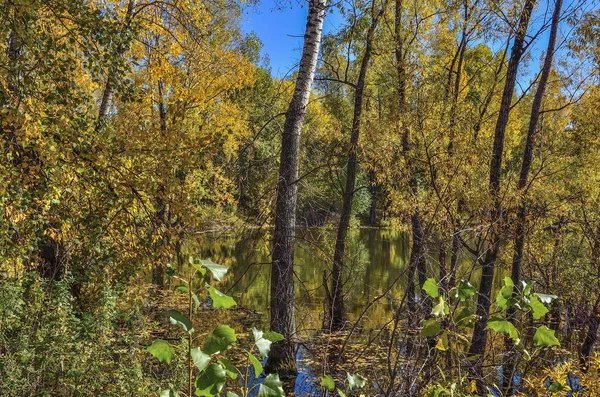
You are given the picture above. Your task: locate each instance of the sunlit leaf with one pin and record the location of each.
(504, 327)
(545, 337)
(442, 343)
(431, 288)
(200, 359)
(262, 343)
(464, 291)
(355, 381)
(218, 271)
(256, 364)
(328, 382)
(440, 309)
(271, 386)
(220, 300)
(161, 350)
(538, 309)
(545, 298)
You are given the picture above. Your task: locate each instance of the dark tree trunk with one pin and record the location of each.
(282, 355)
(591, 335)
(374, 190)
(517, 263)
(479, 339)
(337, 311)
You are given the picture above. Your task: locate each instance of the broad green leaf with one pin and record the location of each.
(218, 271)
(258, 368)
(556, 387)
(182, 288)
(273, 336)
(505, 294)
(464, 291)
(526, 287)
(197, 265)
(545, 298)
(466, 318)
(328, 382)
(545, 337)
(161, 350)
(340, 392)
(219, 299)
(430, 287)
(538, 309)
(271, 386)
(201, 359)
(222, 338)
(430, 327)
(210, 381)
(169, 393)
(177, 318)
(263, 344)
(355, 381)
(230, 368)
(504, 327)
(442, 343)
(440, 309)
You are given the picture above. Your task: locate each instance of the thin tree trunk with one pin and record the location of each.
(337, 311)
(479, 339)
(517, 263)
(591, 335)
(109, 88)
(282, 355)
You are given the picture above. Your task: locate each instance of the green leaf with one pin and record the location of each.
(200, 358)
(182, 288)
(503, 326)
(545, 337)
(556, 387)
(218, 271)
(161, 350)
(328, 383)
(210, 381)
(230, 368)
(355, 381)
(430, 287)
(545, 298)
(169, 393)
(537, 308)
(466, 318)
(258, 368)
(177, 318)
(196, 300)
(273, 336)
(430, 327)
(271, 386)
(219, 299)
(340, 392)
(263, 344)
(442, 343)
(222, 338)
(197, 265)
(441, 309)
(505, 294)
(464, 291)
(526, 287)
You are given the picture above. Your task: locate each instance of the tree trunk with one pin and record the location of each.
(337, 311)
(517, 263)
(591, 336)
(109, 88)
(282, 355)
(479, 339)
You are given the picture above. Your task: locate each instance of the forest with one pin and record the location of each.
(413, 209)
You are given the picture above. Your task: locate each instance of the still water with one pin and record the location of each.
(375, 262)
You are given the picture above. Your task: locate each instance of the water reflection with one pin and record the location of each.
(375, 258)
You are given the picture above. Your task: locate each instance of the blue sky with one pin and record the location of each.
(280, 26)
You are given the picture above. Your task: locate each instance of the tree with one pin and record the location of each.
(282, 357)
